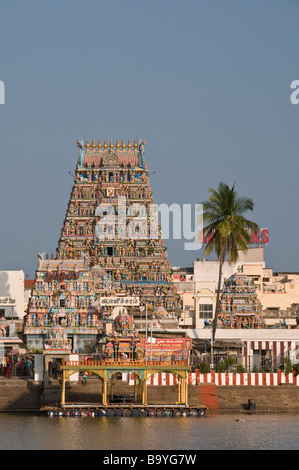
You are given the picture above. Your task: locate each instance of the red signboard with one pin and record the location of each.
(259, 238)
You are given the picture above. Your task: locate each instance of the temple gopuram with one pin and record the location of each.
(239, 306)
(110, 259)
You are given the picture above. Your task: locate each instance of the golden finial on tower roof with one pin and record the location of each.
(93, 145)
(99, 145)
(105, 145)
(87, 145)
(111, 144)
(123, 145)
(135, 145)
(129, 145)
(117, 145)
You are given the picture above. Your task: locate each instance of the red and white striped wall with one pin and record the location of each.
(225, 378)
(278, 350)
(250, 378)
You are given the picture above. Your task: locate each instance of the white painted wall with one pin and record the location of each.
(12, 285)
(74, 377)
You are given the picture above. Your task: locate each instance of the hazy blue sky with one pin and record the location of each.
(205, 83)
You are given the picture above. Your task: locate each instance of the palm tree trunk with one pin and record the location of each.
(218, 297)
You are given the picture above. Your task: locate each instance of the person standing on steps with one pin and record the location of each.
(85, 378)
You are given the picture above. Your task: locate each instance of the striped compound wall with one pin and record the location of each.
(225, 378)
(250, 378)
(278, 350)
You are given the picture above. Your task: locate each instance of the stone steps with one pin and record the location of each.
(20, 395)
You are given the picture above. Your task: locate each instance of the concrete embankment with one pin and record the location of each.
(282, 398)
(17, 395)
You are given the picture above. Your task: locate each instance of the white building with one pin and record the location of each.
(12, 295)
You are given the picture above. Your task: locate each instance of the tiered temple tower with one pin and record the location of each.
(239, 305)
(110, 245)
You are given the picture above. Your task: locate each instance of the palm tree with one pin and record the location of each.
(226, 230)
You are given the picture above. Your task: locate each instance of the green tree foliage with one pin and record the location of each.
(226, 230)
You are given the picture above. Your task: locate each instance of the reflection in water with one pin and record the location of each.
(257, 431)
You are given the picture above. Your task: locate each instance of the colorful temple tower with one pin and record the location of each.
(110, 257)
(239, 305)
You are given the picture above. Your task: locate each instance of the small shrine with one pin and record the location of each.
(239, 306)
(124, 342)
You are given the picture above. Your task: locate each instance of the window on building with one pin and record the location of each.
(205, 311)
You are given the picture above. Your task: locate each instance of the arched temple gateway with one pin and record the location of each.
(110, 253)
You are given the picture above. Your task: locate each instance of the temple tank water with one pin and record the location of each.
(214, 432)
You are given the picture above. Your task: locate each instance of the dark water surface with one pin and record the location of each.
(218, 432)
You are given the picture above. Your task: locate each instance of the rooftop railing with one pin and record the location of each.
(124, 363)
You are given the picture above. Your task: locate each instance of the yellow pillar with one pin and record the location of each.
(144, 391)
(135, 387)
(186, 389)
(179, 389)
(141, 389)
(104, 399)
(182, 390)
(183, 397)
(63, 388)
